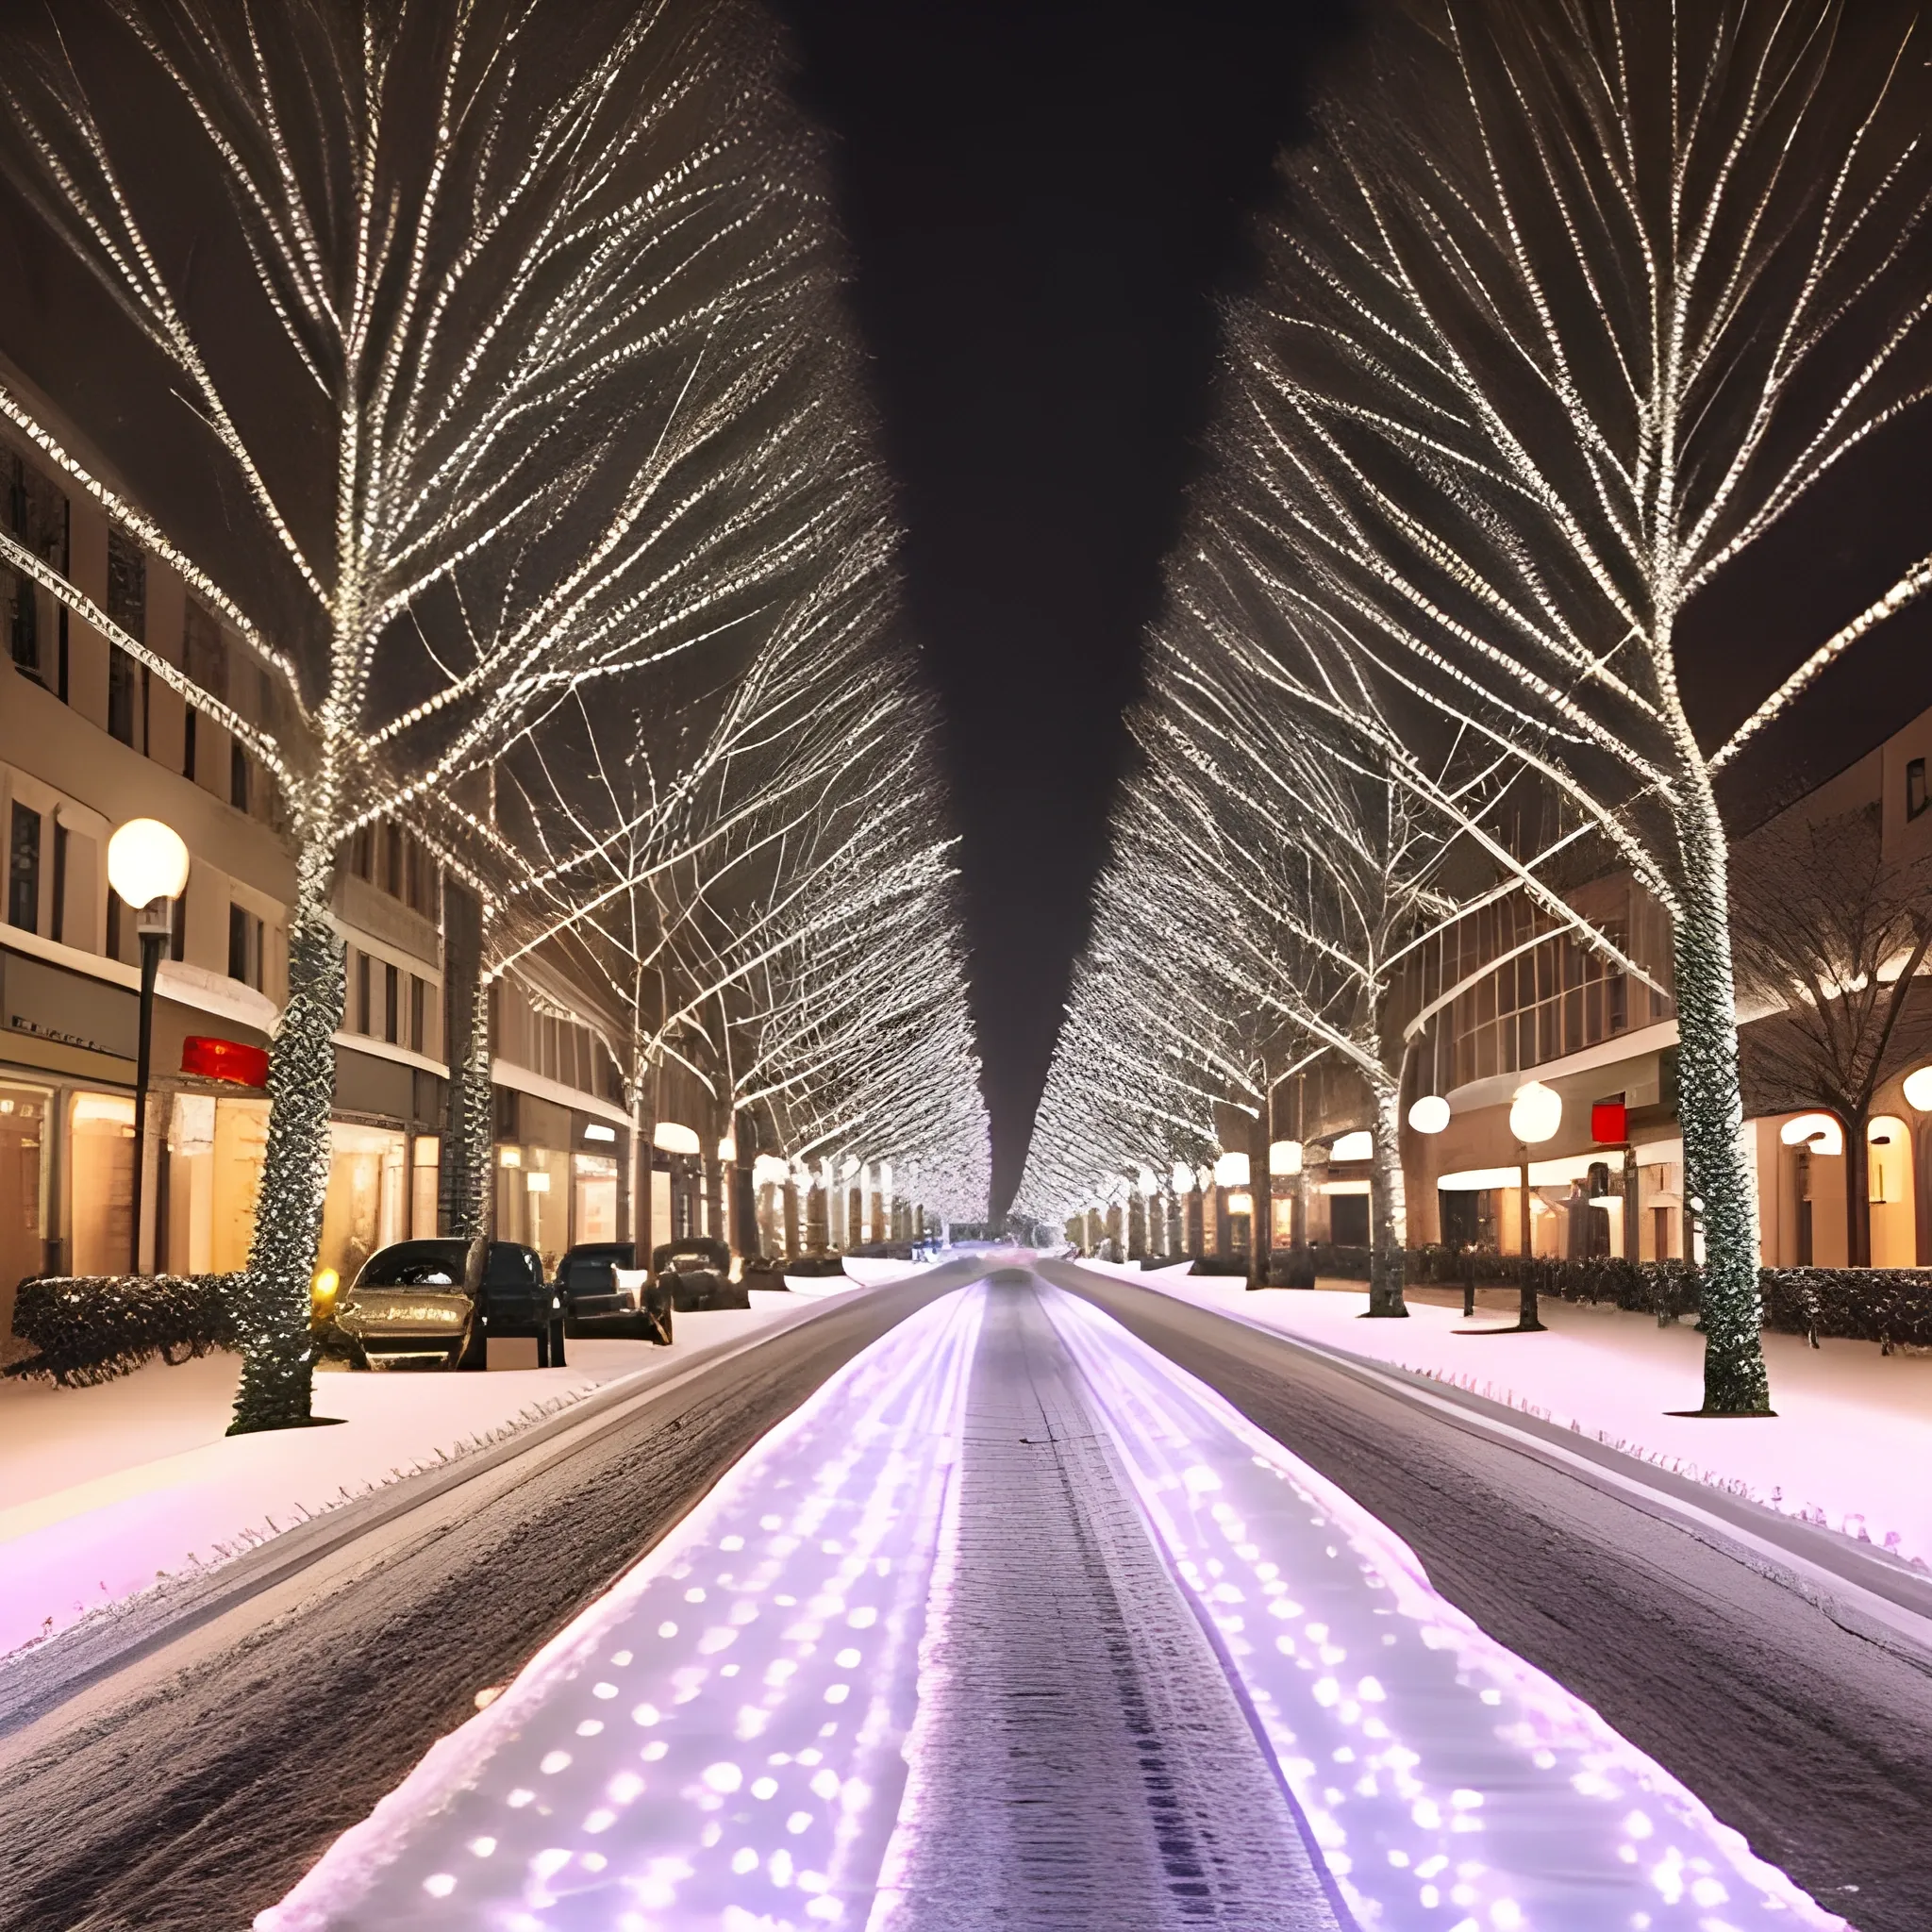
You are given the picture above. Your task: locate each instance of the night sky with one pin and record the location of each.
(1042, 197)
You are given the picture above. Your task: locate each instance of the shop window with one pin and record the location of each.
(425, 1176)
(1915, 786)
(367, 1200)
(22, 1189)
(24, 869)
(244, 946)
(596, 1198)
(216, 1147)
(101, 1161)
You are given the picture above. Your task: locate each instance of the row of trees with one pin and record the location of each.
(483, 366)
(1561, 311)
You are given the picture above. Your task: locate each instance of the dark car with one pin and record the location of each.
(597, 1302)
(699, 1271)
(412, 1306)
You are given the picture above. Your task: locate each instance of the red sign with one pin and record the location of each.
(1609, 1123)
(224, 1059)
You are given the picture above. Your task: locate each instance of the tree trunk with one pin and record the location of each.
(471, 1143)
(1260, 1189)
(271, 1311)
(1711, 1112)
(1857, 1188)
(1388, 1207)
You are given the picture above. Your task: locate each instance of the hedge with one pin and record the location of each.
(1892, 1306)
(90, 1329)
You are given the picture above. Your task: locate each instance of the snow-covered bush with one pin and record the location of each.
(90, 1329)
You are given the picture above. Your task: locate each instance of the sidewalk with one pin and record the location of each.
(105, 1491)
(1849, 1447)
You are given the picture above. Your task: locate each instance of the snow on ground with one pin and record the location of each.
(723, 1738)
(1847, 1449)
(105, 1491)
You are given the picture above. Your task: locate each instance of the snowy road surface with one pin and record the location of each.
(193, 1784)
(1015, 1623)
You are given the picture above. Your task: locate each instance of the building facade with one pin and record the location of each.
(89, 739)
(1503, 999)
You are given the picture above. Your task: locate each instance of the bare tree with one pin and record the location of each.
(1567, 306)
(496, 341)
(1830, 937)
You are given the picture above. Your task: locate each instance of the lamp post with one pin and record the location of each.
(1535, 1114)
(147, 865)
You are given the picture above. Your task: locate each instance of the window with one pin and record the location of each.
(244, 946)
(1915, 786)
(419, 1003)
(57, 919)
(24, 869)
(128, 585)
(421, 881)
(362, 1015)
(393, 861)
(205, 658)
(391, 1005)
(238, 776)
(23, 624)
(363, 851)
(123, 691)
(177, 937)
(33, 511)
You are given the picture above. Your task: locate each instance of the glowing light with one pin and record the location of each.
(146, 860)
(1821, 1131)
(1182, 1178)
(1284, 1157)
(670, 1136)
(1918, 1088)
(1430, 1114)
(1231, 1171)
(1535, 1113)
(1359, 1145)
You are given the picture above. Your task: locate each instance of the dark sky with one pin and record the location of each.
(1042, 196)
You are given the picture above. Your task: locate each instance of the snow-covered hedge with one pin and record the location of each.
(1889, 1306)
(91, 1327)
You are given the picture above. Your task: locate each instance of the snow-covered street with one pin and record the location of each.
(1846, 1449)
(806, 1704)
(106, 1492)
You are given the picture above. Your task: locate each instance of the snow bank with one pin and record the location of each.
(110, 1490)
(1846, 1450)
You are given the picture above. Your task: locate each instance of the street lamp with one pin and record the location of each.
(147, 865)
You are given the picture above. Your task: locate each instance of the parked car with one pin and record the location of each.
(412, 1306)
(603, 1292)
(699, 1274)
